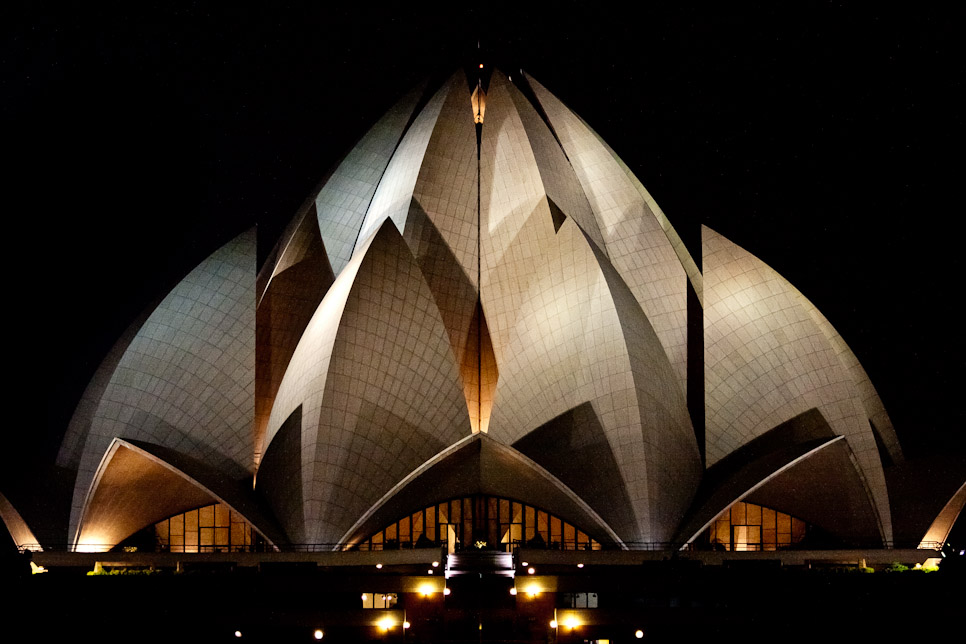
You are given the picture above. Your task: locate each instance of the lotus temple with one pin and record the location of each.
(481, 354)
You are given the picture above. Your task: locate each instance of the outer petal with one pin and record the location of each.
(766, 361)
(186, 381)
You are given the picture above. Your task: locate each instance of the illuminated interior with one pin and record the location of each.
(747, 527)
(212, 528)
(480, 521)
(379, 600)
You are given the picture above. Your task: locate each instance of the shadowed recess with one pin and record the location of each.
(479, 371)
(279, 478)
(573, 447)
(556, 214)
(301, 278)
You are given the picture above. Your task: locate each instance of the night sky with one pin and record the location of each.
(828, 141)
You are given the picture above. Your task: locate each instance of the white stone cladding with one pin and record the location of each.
(632, 234)
(186, 381)
(767, 360)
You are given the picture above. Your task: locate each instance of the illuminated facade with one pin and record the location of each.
(482, 330)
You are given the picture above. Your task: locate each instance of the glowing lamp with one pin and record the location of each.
(318, 634)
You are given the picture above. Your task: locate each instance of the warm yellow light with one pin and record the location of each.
(406, 624)
(533, 590)
(318, 634)
(553, 623)
(513, 591)
(481, 65)
(571, 622)
(386, 623)
(639, 634)
(426, 590)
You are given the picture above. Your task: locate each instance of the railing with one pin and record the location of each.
(643, 546)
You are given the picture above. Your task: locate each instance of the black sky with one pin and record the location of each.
(826, 139)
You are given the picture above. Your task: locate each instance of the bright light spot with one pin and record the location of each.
(571, 623)
(385, 623)
(639, 634)
(580, 565)
(530, 571)
(379, 566)
(918, 566)
(406, 624)
(318, 634)
(435, 564)
(513, 591)
(237, 633)
(429, 572)
(426, 590)
(481, 65)
(524, 564)
(363, 597)
(446, 591)
(553, 623)
(533, 590)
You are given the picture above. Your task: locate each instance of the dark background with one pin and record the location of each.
(825, 139)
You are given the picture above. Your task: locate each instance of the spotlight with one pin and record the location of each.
(446, 591)
(553, 623)
(639, 634)
(524, 564)
(435, 564)
(513, 591)
(406, 624)
(530, 571)
(580, 565)
(318, 634)
(237, 633)
(379, 566)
